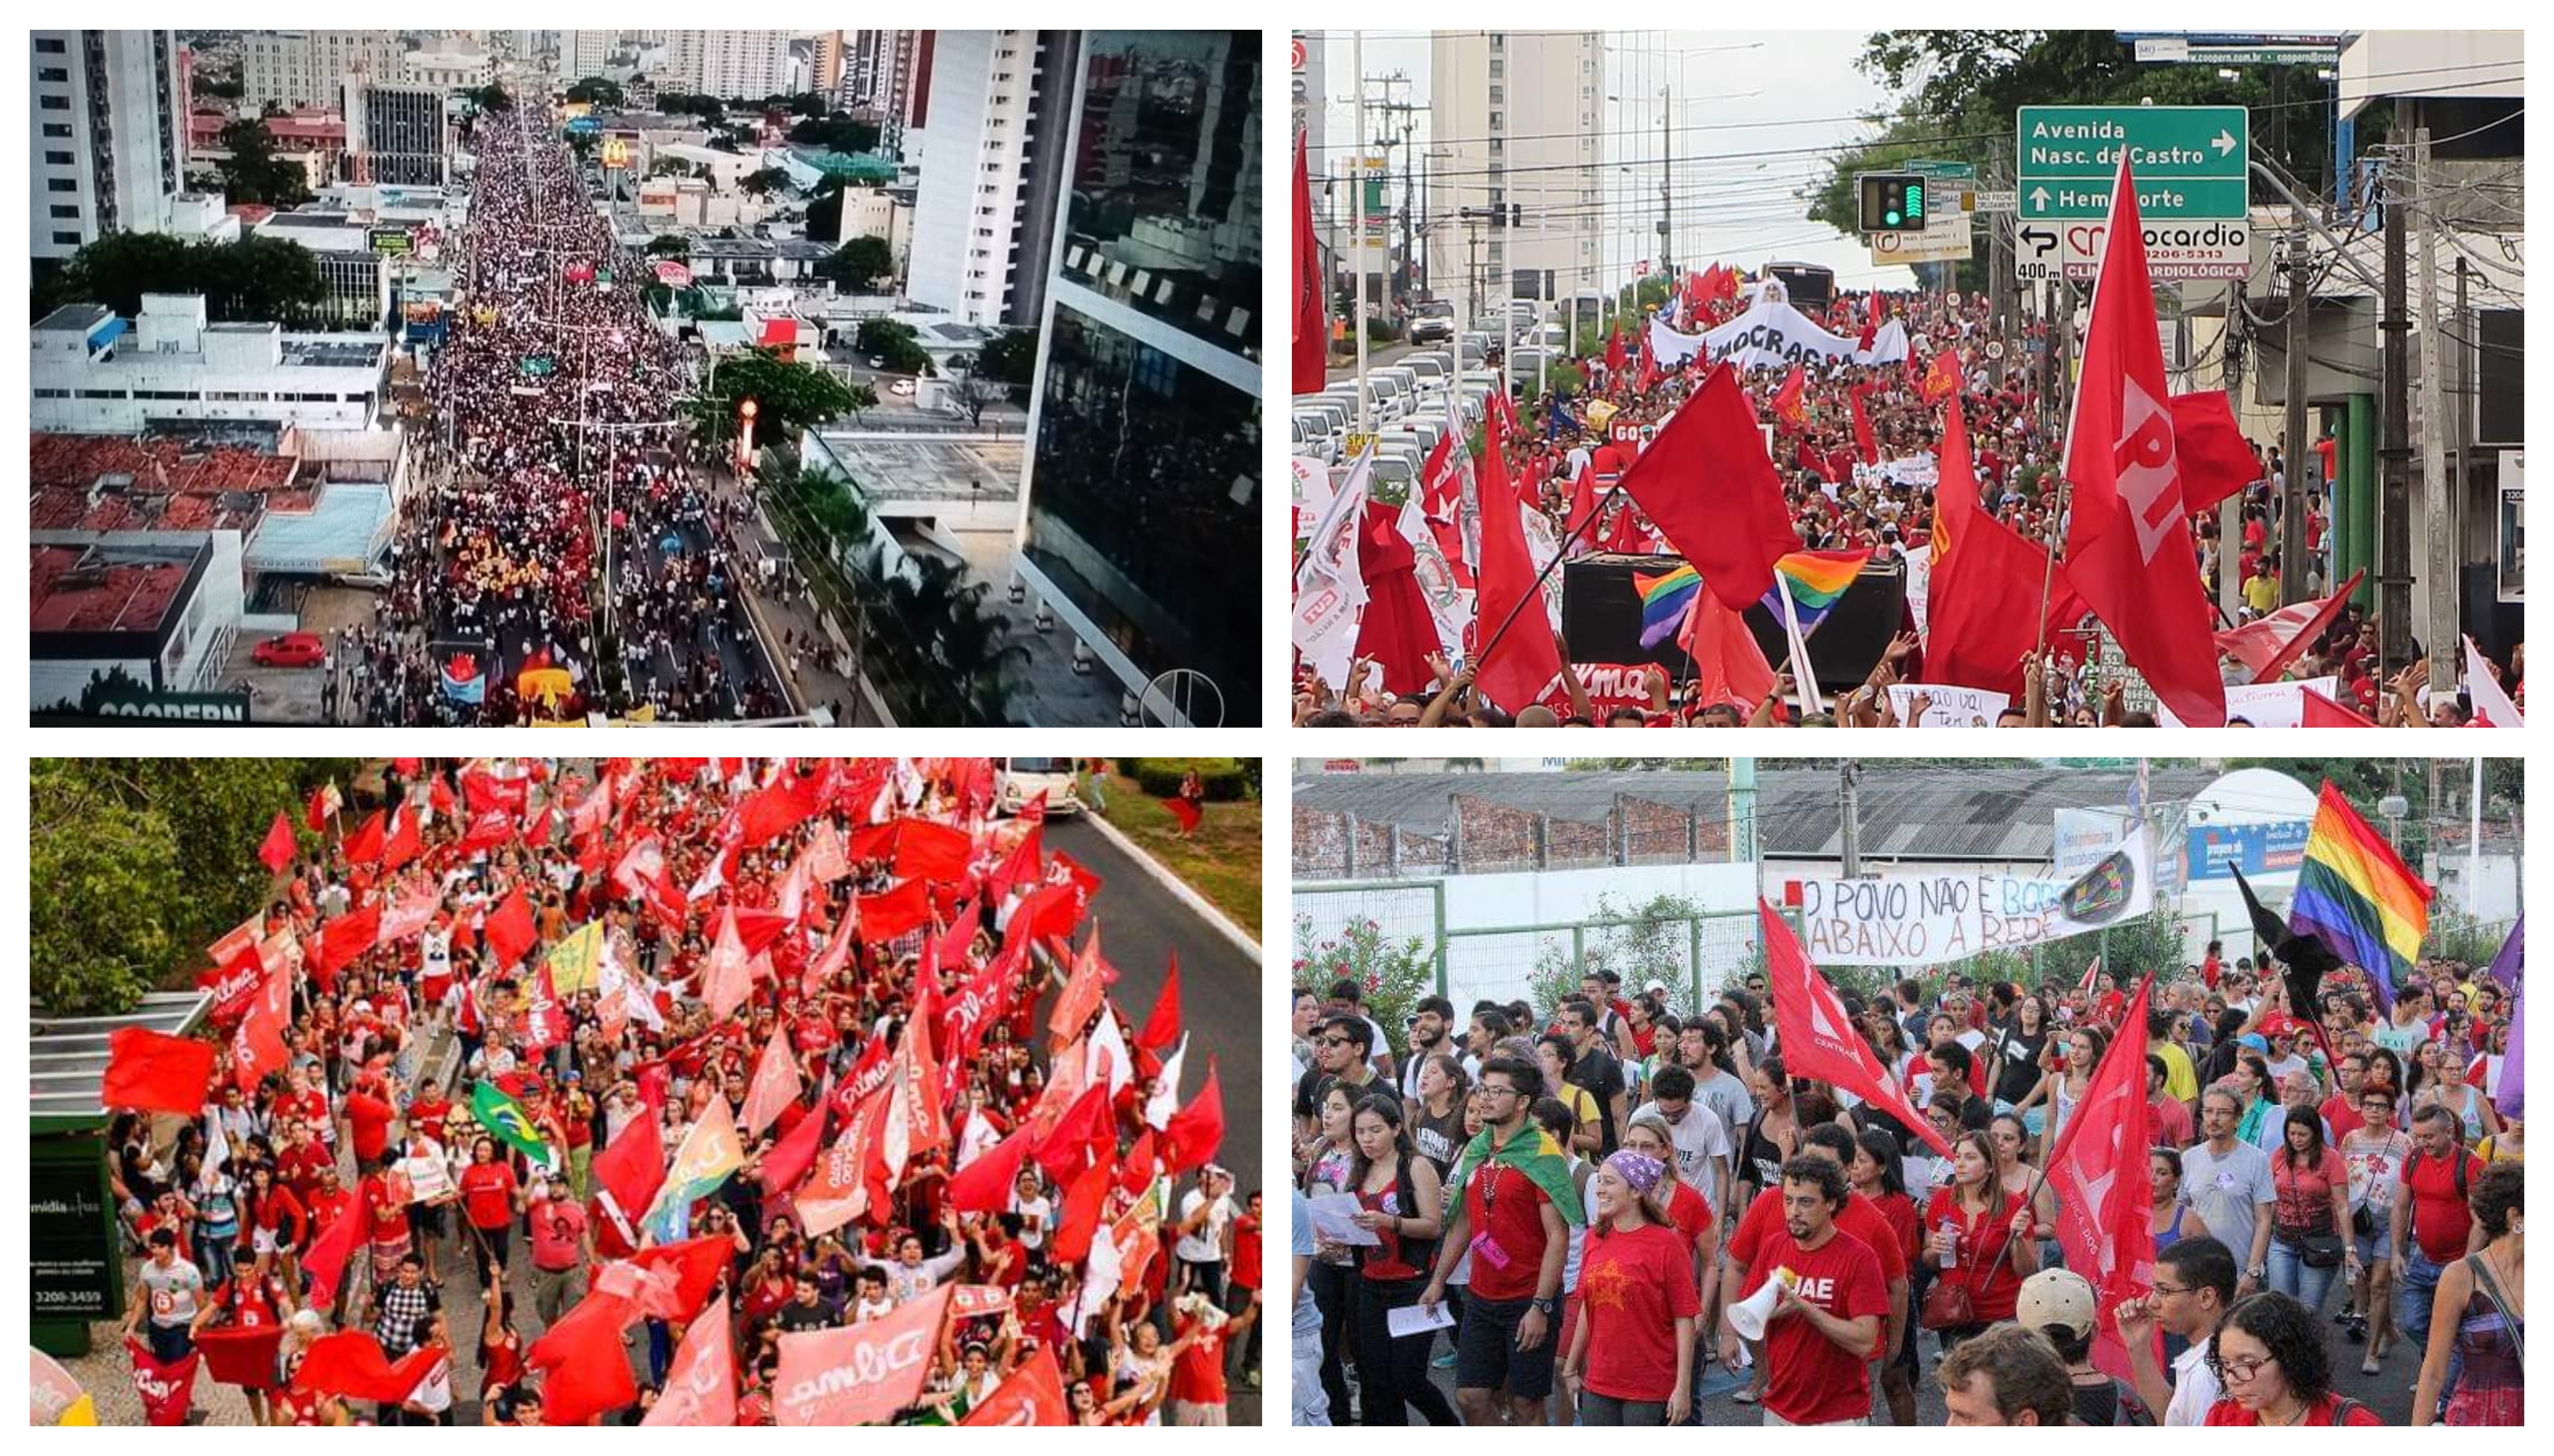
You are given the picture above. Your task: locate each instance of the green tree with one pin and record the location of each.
(673, 167)
(787, 397)
(227, 88)
(490, 97)
(1011, 360)
(254, 278)
(825, 213)
(596, 91)
(690, 103)
(895, 344)
(837, 132)
(763, 182)
(859, 265)
(669, 245)
(254, 173)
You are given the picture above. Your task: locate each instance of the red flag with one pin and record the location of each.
(1788, 403)
(775, 1083)
(862, 1375)
(1162, 1028)
(1141, 1165)
(2128, 540)
(849, 1177)
(1942, 379)
(795, 1152)
(346, 937)
(1616, 357)
(696, 1265)
(2270, 644)
(1033, 1395)
(1083, 991)
(700, 1386)
(366, 847)
(1197, 1130)
(510, 928)
(1512, 665)
(168, 1389)
(1079, 1219)
(1707, 484)
(486, 831)
(773, 811)
(983, 1183)
(352, 1364)
(1066, 1147)
(325, 801)
(1397, 631)
(916, 1122)
(900, 910)
(403, 846)
(149, 1072)
(1728, 664)
(588, 1370)
(1312, 298)
(1185, 811)
(2216, 462)
(626, 1175)
(2097, 1171)
(1974, 637)
(1817, 1038)
(1864, 442)
(487, 793)
(727, 978)
(325, 1263)
(279, 846)
(241, 1354)
(2322, 712)
(257, 1048)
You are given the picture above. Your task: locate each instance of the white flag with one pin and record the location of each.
(1330, 588)
(1165, 1101)
(2490, 704)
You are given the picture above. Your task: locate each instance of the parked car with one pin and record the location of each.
(291, 649)
(900, 388)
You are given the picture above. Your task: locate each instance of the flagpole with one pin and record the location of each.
(1540, 577)
(1807, 676)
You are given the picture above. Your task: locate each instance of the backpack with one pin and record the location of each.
(1420, 1254)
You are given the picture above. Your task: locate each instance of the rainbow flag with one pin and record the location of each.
(1815, 580)
(1663, 601)
(2357, 896)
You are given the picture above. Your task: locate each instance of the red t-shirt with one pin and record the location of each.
(426, 1115)
(1197, 1376)
(1983, 1236)
(298, 1166)
(557, 1225)
(1690, 1212)
(488, 1194)
(2440, 1217)
(1505, 1210)
(1810, 1379)
(387, 1212)
(1632, 1288)
(2232, 1412)
(371, 1118)
(1246, 1253)
(1761, 1227)
(2305, 1194)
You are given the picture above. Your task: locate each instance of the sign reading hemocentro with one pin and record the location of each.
(2190, 157)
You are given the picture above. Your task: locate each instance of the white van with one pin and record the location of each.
(1016, 781)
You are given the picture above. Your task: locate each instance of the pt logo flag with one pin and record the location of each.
(1817, 1038)
(2097, 1171)
(700, 1386)
(1033, 1396)
(165, 1389)
(862, 1375)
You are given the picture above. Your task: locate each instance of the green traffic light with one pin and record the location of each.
(1892, 219)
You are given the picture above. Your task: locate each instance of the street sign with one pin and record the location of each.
(2189, 164)
(390, 240)
(1945, 239)
(1995, 201)
(2066, 157)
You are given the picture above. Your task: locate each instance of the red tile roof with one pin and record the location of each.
(175, 485)
(129, 597)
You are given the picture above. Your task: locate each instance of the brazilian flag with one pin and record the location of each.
(508, 1122)
(1536, 1154)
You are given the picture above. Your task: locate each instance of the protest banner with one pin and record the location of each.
(1921, 919)
(1950, 707)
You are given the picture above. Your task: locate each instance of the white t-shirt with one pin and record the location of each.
(1206, 1246)
(2194, 1387)
(1033, 1215)
(1699, 1140)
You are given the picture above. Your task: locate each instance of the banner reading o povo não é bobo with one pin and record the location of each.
(1923, 919)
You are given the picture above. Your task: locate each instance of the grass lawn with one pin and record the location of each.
(1221, 862)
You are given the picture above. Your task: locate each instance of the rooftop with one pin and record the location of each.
(796, 248)
(67, 1056)
(112, 483)
(74, 318)
(97, 589)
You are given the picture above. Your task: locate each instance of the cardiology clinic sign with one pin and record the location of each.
(1924, 919)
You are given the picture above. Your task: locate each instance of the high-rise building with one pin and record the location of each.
(729, 63)
(826, 66)
(296, 69)
(583, 53)
(1519, 112)
(109, 151)
(1140, 523)
(397, 134)
(1309, 98)
(985, 210)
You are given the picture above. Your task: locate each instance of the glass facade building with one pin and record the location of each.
(1142, 528)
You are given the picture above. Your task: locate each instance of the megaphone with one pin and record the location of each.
(1748, 1316)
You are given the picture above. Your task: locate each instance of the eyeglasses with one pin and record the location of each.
(2166, 1289)
(1487, 1091)
(1332, 1041)
(2238, 1372)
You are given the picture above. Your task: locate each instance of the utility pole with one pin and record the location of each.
(1849, 812)
(1356, 231)
(1667, 185)
(2293, 575)
(1999, 251)
(2394, 500)
(2463, 338)
(2440, 495)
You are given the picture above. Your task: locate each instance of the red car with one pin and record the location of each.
(293, 649)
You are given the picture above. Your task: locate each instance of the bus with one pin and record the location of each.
(1811, 286)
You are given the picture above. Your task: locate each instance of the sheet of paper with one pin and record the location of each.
(1413, 1320)
(1334, 1219)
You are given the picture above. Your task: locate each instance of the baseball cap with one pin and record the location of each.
(2058, 1296)
(2253, 1039)
(1655, 984)
(2278, 1024)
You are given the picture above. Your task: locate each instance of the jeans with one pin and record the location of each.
(1311, 1405)
(169, 1343)
(1596, 1409)
(2413, 1297)
(2291, 1276)
(213, 1255)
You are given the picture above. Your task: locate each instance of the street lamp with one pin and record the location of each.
(2393, 808)
(745, 435)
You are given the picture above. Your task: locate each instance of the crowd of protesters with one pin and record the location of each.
(1840, 497)
(560, 510)
(1625, 1208)
(479, 1238)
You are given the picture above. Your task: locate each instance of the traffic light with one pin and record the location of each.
(1892, 201)
(1516, 214)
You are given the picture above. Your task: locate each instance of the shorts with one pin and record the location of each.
(1195, 1412)
(1487, 1357)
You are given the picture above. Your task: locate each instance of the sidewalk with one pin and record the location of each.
(815, 683)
